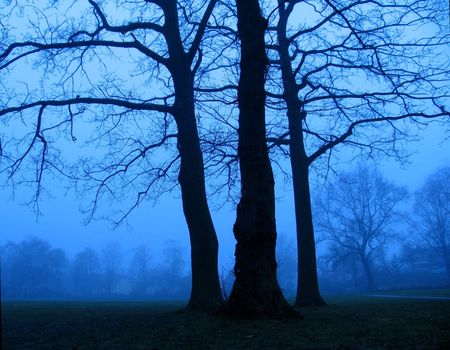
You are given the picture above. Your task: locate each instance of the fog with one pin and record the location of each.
(55, 256)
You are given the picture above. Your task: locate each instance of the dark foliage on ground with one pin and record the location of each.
(356, 323)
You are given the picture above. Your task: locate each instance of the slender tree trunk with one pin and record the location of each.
(206, 293)
(368, 272)
(308, 293)
(255, 291)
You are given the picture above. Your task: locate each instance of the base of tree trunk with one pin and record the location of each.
(207, 306)
(274, 306)
(310, 302)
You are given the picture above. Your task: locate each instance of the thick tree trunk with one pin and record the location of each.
(308, 293)
(255, 291)
(206, 293)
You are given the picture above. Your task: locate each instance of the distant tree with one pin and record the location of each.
(173, 258)
(358, 214)
(33, 269)
(86, 273)
(140, 268)
(111, 258)
(431, 216)
(171, 277)
(341, 264)
(338, 276)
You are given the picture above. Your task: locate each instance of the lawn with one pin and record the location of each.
(351, 322)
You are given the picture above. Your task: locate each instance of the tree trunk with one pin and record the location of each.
(368, 272)
(308, 293)
(206, 293)
(255, 291)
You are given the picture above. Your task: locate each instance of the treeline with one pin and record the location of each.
(413, 266)
(33, 269)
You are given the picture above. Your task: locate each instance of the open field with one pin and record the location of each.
(347, 323)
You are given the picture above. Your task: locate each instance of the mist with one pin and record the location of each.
(407, 255)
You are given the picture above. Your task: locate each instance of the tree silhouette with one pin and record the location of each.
(84, 63)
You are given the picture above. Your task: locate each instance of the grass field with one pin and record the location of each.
(352, 322)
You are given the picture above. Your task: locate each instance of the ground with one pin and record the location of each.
(351, 322)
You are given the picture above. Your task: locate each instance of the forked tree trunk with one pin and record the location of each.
(308, 293)
(255, 291)
(205, 293)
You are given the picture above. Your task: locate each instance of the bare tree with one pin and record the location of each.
(111, 261)
(354, 74)
(126, 75)
(358, 213)
(86, 273)
(171, 275)
(140, 268)
(431, 217)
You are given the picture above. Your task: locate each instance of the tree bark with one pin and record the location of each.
(308, 293)
(205, 293)
(255, 291)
